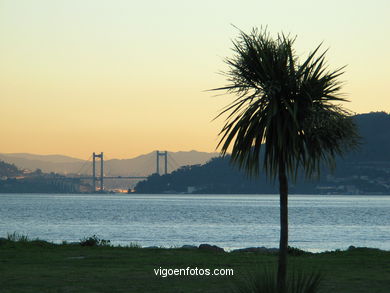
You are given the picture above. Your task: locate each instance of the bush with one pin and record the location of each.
(134, 245)
(265, 282)
(15, 237)
(302, 282)
(260, 282)
(296, 251)
(94, 241)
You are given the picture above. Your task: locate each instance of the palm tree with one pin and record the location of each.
(283, 118)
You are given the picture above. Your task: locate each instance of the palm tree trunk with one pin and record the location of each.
(282, 264)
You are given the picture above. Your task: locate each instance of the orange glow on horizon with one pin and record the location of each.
(130, 78)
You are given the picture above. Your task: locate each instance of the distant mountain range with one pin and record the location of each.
(365, 171)
(143, 165)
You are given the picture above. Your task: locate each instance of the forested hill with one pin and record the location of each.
(14, 180)
(366, 171)
(8, 170)
(374, 128)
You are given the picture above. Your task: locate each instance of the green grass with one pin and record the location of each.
(39, 266)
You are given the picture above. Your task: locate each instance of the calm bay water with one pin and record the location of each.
(317, 223)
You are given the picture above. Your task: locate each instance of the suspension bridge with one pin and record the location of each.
(98, 174)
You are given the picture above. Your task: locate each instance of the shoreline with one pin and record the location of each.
(94, 241)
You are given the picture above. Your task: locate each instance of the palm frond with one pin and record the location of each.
(284, 109)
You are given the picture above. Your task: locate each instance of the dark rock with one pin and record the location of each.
(257, 249)
(211, 248)
(189, 247)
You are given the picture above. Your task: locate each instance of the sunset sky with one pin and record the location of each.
(129, 77)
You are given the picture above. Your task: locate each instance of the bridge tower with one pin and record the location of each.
(94, 157)
(158, 155)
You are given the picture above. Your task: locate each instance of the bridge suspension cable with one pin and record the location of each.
(83, 166)
(175, 165)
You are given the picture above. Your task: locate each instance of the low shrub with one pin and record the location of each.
(94, 241)
(16, 237)
(296, 251)
(266, 282)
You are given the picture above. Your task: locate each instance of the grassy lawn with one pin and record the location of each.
(37, 266)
